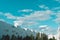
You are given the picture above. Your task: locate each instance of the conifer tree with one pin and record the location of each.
(13, 37)
(44, 36)
(32, 37)
(38, 36)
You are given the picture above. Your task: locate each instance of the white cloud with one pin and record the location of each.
(58, 15)
(18, 23)
(35, 16)
(2, 20)
(58, 1)
(25, 10)
(30, 23)
(57, 20)
(44, 28)
(43, 6)
(41, 15)
(51, 36)
(10, 16)
(56, 8)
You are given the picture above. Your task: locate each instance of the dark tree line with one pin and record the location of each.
(38, 37)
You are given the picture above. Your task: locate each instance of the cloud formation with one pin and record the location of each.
(58, 1)
(43, 27)
(35, 16)
(17, 23)
(10, 16)
(25, 10)
(57, 20)
(2, 20)
(43, 6)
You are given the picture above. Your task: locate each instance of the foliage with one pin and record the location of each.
(52, 38)
(38, 37)
(44, 36)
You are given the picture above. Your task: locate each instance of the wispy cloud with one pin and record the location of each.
(17, 23)
(47, 29)
(2, 20)
(58, 1)
(56, 8)
(10, 16)
(43, 27)
(25, 10)
(57, 20)
(35, 16)
(43, 6)
(50, 36)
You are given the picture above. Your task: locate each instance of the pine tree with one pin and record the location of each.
(3, 37)
(44, 37)
(19, 38)
(32, 37)
(50, 39)
(38, 36)
(54, 38)
(7, 37)
(13, 37)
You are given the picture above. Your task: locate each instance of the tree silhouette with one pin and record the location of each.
(44, 36)
(19, 38)
(32, 37)
(27, 38)
(3, 37)
(37, 36)
(52, 38)
(13, 37)
(7, 37)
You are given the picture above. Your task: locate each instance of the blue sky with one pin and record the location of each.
(40, 15)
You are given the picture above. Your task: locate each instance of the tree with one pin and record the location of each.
(7, 37)
(44, 37)
(13, 37)
(32, 37)
(38, 36)
(27, 38)
(19, 38)
(3, 37)
(52, 38)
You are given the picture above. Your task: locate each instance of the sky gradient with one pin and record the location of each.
(40, 15)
